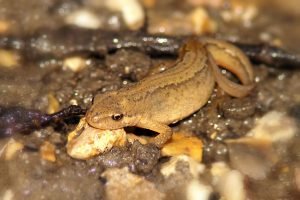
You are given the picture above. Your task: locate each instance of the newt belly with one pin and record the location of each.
(174, 94)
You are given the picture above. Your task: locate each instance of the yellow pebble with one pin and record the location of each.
(202, 22)
(53, 104)
(74, 63)
(8, 59)
(47, 151)
(4, 26)
(11, 148)
(181, 144)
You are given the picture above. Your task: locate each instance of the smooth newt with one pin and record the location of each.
(169, 96)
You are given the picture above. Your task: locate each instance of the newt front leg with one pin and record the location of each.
(165, 132)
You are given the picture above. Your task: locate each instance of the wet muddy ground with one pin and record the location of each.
(266, 168)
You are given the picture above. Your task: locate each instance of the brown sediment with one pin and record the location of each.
(27, 176)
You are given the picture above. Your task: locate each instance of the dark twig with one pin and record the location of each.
(20, 120)
(270, 55)
(69, 40)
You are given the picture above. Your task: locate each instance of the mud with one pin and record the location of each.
(31, 82)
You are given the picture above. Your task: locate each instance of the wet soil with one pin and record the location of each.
(31, 82)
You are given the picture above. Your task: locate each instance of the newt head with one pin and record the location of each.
(109, 112)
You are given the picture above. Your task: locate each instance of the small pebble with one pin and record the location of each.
(241, 12)
(84, 19)
(182, 144)
(252, 157)
(232, 186)
(4, 26)
(75, 64)
(53, 105)
(132, 12)
(8, 195)
(274, 126)
(123, 185)
(11, 148)
(198, 191)
(86, 142)
(8, 59)
(169, 167)
(201, 21)
(47, 151)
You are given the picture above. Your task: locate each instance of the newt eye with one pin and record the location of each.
(117, 117)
